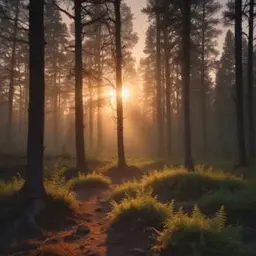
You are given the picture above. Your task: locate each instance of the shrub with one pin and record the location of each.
(199, 235)
(240, 205)
(8, 188)
(180, 184)
(143, 207)
(127, 189)
(90, 180)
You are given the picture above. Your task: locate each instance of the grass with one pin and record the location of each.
(143, 207)
(199, 235)
(180, 184)
(8, 188)
(60, 201)
(240, 205)
(90, 180)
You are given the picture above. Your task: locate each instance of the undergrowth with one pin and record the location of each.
(240, 205)
(144, 207)
(199, 235)
(180, 184)
(90, 180)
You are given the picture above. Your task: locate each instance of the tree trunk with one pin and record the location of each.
(203, 89)
(159, 88)
(239, 83)
(119, 87)
(168, 89)
(90, 109)
(250, 82)
(186, 19)
(99, 94)
(81, 164)
(35, 143)
(11, 85)
(55, 110)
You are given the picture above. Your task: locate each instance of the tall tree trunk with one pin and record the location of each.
(35, 143)
(239, 83)
(81, 163)
(186, 19)
(168, 89)
(203, 89)
(90, 109)
(99, 94)
(159, 87)
(119, 87)
(55, 110)
(250, 82)
(11, 85)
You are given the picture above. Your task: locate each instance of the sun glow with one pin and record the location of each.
(125, 94)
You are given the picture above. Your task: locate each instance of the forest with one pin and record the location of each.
(110, 151)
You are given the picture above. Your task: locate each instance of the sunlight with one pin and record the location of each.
(126, 94)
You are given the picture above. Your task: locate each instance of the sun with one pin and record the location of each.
(126, 94)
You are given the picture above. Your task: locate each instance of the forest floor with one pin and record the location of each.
(88, 232)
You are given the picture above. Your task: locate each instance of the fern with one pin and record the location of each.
(196, 213)
(219, 220)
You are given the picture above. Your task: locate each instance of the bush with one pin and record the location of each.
(60, 201)
(127, 189)
(91, 180)
(240, 205)
(143, 207)
(180, 184)
(199, 235)
(8, 188)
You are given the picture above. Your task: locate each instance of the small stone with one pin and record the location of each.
(81, 247)
(70, 238)
(52, 241)
(137, 252)
(82, 230)
(99, 209)
(88, 220)
(101, 244)
(93, 254)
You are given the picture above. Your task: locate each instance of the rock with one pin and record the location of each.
(52, 241)
(101, 244)
(137, 252)
(88, 215)
(93, 254)
(99, 209)
(82, 230)
(70, 238)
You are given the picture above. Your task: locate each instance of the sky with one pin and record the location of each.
(140, 25)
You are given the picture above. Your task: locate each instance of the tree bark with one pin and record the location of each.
(203, 89)
(168, 89)
(55, 109)
(250, 83)
(119, 87)
(239, 83)
(159, 87)
(81, 163)
(11, 85)
(99, 94)
(90, 109)
(35, 143)
(186, 19)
